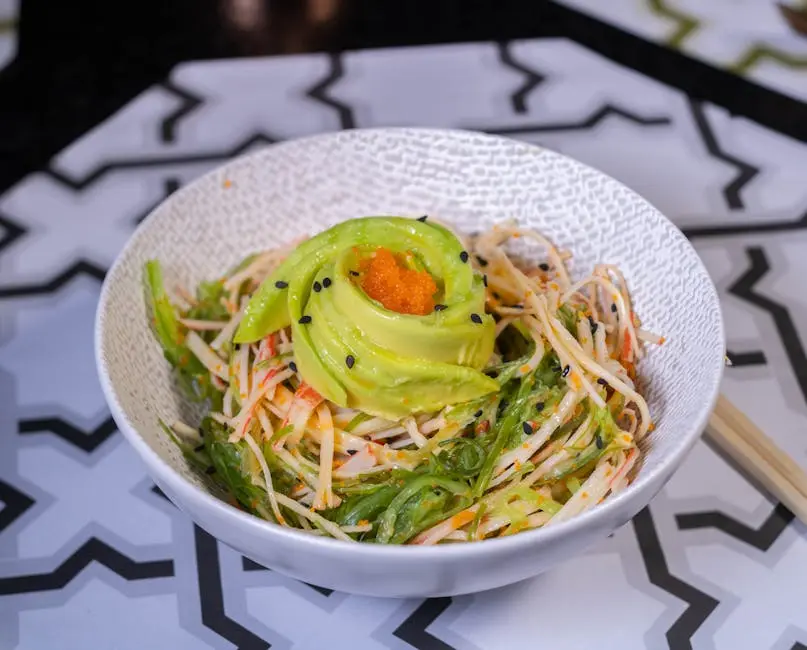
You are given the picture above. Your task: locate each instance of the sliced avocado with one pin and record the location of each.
(307, 356)
(356, 352)
(448, 335)
(267, 310)
(380, 381)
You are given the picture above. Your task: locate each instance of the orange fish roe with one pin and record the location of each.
(399, 289)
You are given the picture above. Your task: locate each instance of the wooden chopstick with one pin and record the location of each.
(732, 431)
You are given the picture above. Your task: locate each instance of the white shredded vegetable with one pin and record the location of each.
(267, 477)
(324, 496)
(205, 354)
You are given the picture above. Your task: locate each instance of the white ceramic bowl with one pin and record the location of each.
(472, 180)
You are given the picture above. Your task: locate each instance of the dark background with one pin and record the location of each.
(78, 62)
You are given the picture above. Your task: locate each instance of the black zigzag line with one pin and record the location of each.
(170, 185)
(532, 79)
(84, 440)
(751, 358)
(744, 288)
(693, 76)
(319, 91)
(13, 231)
(413, 629)
(251, 565)
(747, 229)
(15, 504)
(190, 103)
(82, 267)
(745, 171)
(158, 161)
(699, 604)
(589, 122)
(93, 550)
(761, 538)
(211, 596)
(155, 489)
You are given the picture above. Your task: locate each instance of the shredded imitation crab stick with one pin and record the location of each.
(306, 399)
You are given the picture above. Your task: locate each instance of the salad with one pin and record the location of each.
(391, 381)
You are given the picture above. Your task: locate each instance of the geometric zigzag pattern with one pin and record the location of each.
(89, 547)
(764, 49)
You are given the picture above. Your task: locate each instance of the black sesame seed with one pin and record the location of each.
(210, 470)
(293, 366)
(305, 320)
(476, 318)
(199, 448)
(317, 287)
(565, 371)
(354, 273)
(350, 360)
(464, 256)
(602, 382)
(478, 414)
(485, 280)
(482, 261)
(423, 218)
(539, 406)
(593, 324)
(613, 307)
(281, 284)
(350, 452)
(326, 282)
(496, 295)
(544, 266)
(598, 441)
(527, 427)
(491, 373)
(439, 307)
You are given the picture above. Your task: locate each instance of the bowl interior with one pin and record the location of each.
(469, 179)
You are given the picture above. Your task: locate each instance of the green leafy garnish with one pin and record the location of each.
(192, 374)
(170, 333)
(230, 463)
(364, 506)
(568, 318)
(422, 500)
(460, 457)
(474, 527)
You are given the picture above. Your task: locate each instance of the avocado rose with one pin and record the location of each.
(359, 353)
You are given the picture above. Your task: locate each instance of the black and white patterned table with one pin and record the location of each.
(92, 556)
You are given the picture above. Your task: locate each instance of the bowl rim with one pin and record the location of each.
(186, 491)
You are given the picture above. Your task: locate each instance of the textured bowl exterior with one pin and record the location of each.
(472, 180)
